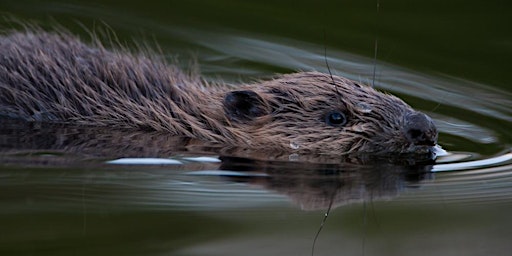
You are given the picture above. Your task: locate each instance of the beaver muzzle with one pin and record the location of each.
(419, 129)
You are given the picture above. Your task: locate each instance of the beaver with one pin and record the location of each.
(56, 77)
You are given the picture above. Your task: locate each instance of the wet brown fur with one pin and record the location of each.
(54, 77)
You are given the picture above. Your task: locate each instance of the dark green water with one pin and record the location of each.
(59, 196)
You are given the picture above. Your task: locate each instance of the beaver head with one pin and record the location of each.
(315, 112)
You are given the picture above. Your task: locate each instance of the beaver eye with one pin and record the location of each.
(335, 119)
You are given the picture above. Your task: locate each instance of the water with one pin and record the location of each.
(87, 191)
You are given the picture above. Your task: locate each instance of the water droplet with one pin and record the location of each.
(293, 157)
(294, 145)
(363, 107)
(358, 128)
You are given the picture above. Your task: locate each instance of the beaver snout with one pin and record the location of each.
(419, 129)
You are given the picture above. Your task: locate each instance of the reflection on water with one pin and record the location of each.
(314, 184)
(73, 190)
(161, 162)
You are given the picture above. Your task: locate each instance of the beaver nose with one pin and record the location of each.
(420, 129)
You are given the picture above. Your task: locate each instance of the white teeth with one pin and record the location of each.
(439, 151)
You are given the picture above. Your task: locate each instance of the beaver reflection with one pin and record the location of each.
(312, 183)
(317, 185)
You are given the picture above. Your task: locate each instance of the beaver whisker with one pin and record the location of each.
(329, 68)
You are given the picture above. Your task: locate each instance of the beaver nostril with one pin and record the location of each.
(420, 129)
(415, 133)
(419, 137)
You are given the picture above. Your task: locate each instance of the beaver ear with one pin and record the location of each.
(244, 105)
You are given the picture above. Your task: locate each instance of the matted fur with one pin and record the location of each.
(54, 77)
